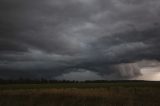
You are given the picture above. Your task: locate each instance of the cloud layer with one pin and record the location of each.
(57, 38)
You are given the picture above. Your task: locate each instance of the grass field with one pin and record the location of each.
(81, 94)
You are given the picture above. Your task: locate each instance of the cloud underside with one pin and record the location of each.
(82, 39)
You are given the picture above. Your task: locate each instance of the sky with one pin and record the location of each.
(80, 39)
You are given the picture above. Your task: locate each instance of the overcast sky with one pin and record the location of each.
(80, 39)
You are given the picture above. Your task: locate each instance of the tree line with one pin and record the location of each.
(45, 81)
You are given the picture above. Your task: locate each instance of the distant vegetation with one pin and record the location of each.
(74, 93)
(45, 81)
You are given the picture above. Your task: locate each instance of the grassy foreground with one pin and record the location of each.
(81, 94)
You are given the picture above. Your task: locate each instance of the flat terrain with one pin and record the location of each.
(81, 94)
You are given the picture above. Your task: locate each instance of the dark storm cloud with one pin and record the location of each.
(54, 37)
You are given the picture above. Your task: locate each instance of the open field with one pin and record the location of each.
(81, 94)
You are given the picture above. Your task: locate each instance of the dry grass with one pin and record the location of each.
(75, 96)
